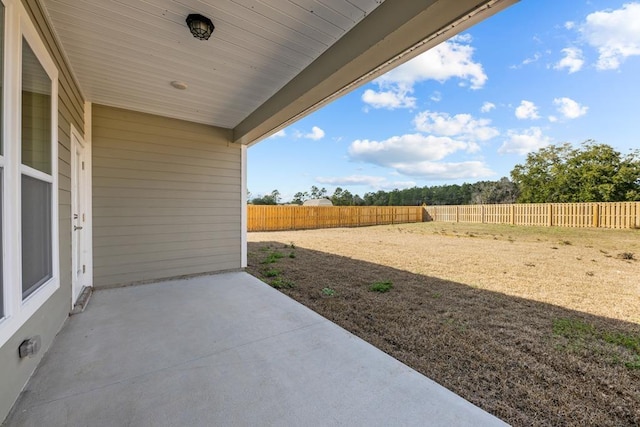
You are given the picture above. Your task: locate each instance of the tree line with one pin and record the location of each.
(555, 174)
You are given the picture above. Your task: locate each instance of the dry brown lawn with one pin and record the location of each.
(539, 326)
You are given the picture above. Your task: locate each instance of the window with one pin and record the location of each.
(29, 265)
(36, 180)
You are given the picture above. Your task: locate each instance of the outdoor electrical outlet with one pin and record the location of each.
(29, 347)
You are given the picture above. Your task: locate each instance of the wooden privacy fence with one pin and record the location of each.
(273, 218)
(596, 215)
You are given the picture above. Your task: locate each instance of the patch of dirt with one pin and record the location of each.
(537, 329)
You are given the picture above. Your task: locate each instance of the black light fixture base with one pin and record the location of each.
(200, 26)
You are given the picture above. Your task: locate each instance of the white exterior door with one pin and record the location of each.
(79, 216)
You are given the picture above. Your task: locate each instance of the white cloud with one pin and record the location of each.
(614, 33)
(487, 106)
(524, 142)
(536, 56)
(553, 119)
(315, 134)
(281, 133)
(450, 59)
(392, 185)
(527, 110)
(405, 148)
(375, 182)
(372, 181)
(465, 38)
(419, 155)
(444, 171)
(569, 108)
(436, 96)
(569, 25)
(462, 126)
(389, 99)
(572, 61)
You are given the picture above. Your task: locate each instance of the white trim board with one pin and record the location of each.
(243, 207)
(80, 182)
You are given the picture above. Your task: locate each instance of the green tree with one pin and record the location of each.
(300, 197)
(592, 173)
(269, 199)
(358, 201)
(494, 192)
(394, 198)
(542, 177)
(318, 193)
(342, 197)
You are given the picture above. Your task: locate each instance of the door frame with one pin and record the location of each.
(82, 185)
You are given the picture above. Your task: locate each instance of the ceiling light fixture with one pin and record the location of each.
(201, 27)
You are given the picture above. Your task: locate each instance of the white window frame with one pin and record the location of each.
(3, 94)
(17, 311)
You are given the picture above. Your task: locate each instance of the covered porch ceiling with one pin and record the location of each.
(267, 64)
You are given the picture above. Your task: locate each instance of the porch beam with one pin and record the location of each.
(393, 33)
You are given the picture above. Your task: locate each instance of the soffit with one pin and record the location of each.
(267, 64)
(125, 53)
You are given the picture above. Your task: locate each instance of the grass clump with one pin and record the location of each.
(280, 283)
(614, 346)
(626, 256)
(328, 292)
(571, 328)
(634, 364)
(624, 340)
(272, 257)
(381, 287)
(272, 273)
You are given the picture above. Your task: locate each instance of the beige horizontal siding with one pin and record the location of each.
(167, 238)
(166, 197)
(109, 226)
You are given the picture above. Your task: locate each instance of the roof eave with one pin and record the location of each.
(392, 34)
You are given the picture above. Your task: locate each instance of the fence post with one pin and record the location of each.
(550, 220)
(512, 214)
(482, 213)
(595, 209)
(457, 213)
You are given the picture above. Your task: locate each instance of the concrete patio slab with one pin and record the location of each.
(224, 350)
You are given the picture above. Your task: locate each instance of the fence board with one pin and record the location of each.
(593, 215)
(274, 218)
(582, 215)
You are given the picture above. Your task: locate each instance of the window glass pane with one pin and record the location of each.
(36, 112)
(36, 234)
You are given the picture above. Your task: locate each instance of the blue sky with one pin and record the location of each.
(541, 72)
